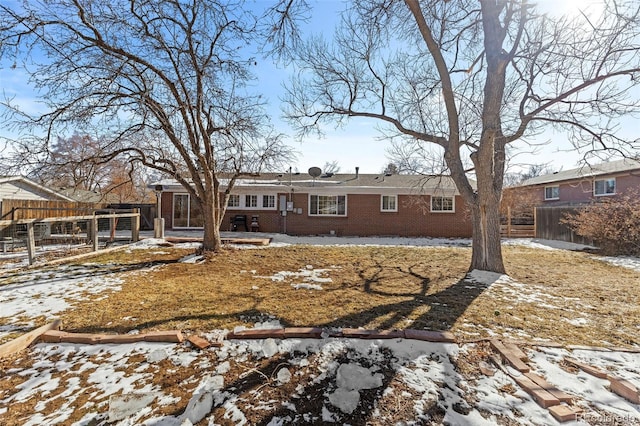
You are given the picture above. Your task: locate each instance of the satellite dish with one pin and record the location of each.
(315, 172)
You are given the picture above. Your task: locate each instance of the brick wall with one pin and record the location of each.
(364, 218)
(580, 191)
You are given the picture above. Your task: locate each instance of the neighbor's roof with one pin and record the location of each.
(408, 183)
(586, 171)
(84, 196)
(29, 182)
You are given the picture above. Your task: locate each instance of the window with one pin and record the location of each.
(328, 205)
(269, 201)
(234, 200)
(441, 204)
(389, 203)
(604, 187)
(186, 212)
(251, 201)
(552, 193)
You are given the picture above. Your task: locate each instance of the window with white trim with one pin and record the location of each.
(389, 203)
(552, 193)
(234, 200)
(251, 201)
(442, 204)
(604, 187)
(269, 201)
(327, 205)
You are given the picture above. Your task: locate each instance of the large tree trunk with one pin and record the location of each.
(213, 216)
(486, 252)
(211, 239)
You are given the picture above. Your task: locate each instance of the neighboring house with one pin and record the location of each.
(21, 188)
(340, 204)
(84, 196)
(582, 185)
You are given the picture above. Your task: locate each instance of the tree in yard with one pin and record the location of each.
(167, 82)
(472, 79)
(75, 162)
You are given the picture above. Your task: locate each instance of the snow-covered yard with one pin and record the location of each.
(284, 381)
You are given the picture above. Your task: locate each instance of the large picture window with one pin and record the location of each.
(442, 204)
(328, 205)
(186, 212)
(604, 187)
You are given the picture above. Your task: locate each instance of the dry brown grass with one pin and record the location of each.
(375, 287)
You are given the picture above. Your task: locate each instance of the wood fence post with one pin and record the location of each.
(31, 243)
(94, 232)
(509, 221)
(135, 226)
(113, 222)
(535, 222)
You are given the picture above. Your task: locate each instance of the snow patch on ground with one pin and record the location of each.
(623, 261)
(545, 244)
(312, 278)
(50, 292)
(487, 278)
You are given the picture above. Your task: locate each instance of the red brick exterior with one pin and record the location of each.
(578, 191)
(364, 218)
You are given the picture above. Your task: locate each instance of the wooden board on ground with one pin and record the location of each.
(199, 342)
(27, 339)
(54, 336)
(509, 356)
(230, 240)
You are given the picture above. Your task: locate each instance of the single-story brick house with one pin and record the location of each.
(581, 185)
(340, 204)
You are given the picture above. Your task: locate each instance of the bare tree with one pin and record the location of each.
(165, 82)
(75, 162)
(473, 78)
(535, 170)
(331, 167)
(391, 169)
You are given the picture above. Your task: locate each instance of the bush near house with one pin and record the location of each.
(613, 224)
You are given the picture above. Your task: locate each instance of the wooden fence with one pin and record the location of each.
(40, 209)
(519, 225)
(548, 225)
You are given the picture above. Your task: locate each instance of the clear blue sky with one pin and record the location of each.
(357, 144)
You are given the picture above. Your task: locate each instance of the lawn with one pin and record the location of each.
(551, 298)
(550, 295)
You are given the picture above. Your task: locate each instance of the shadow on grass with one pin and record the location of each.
(75, 272)
(444, 308)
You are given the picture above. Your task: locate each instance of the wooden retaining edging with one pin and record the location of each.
(24, 341)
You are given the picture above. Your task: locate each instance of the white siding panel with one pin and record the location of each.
(21, 191)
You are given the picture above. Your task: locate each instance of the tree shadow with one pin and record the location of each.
(445, 306)
(63, 273)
